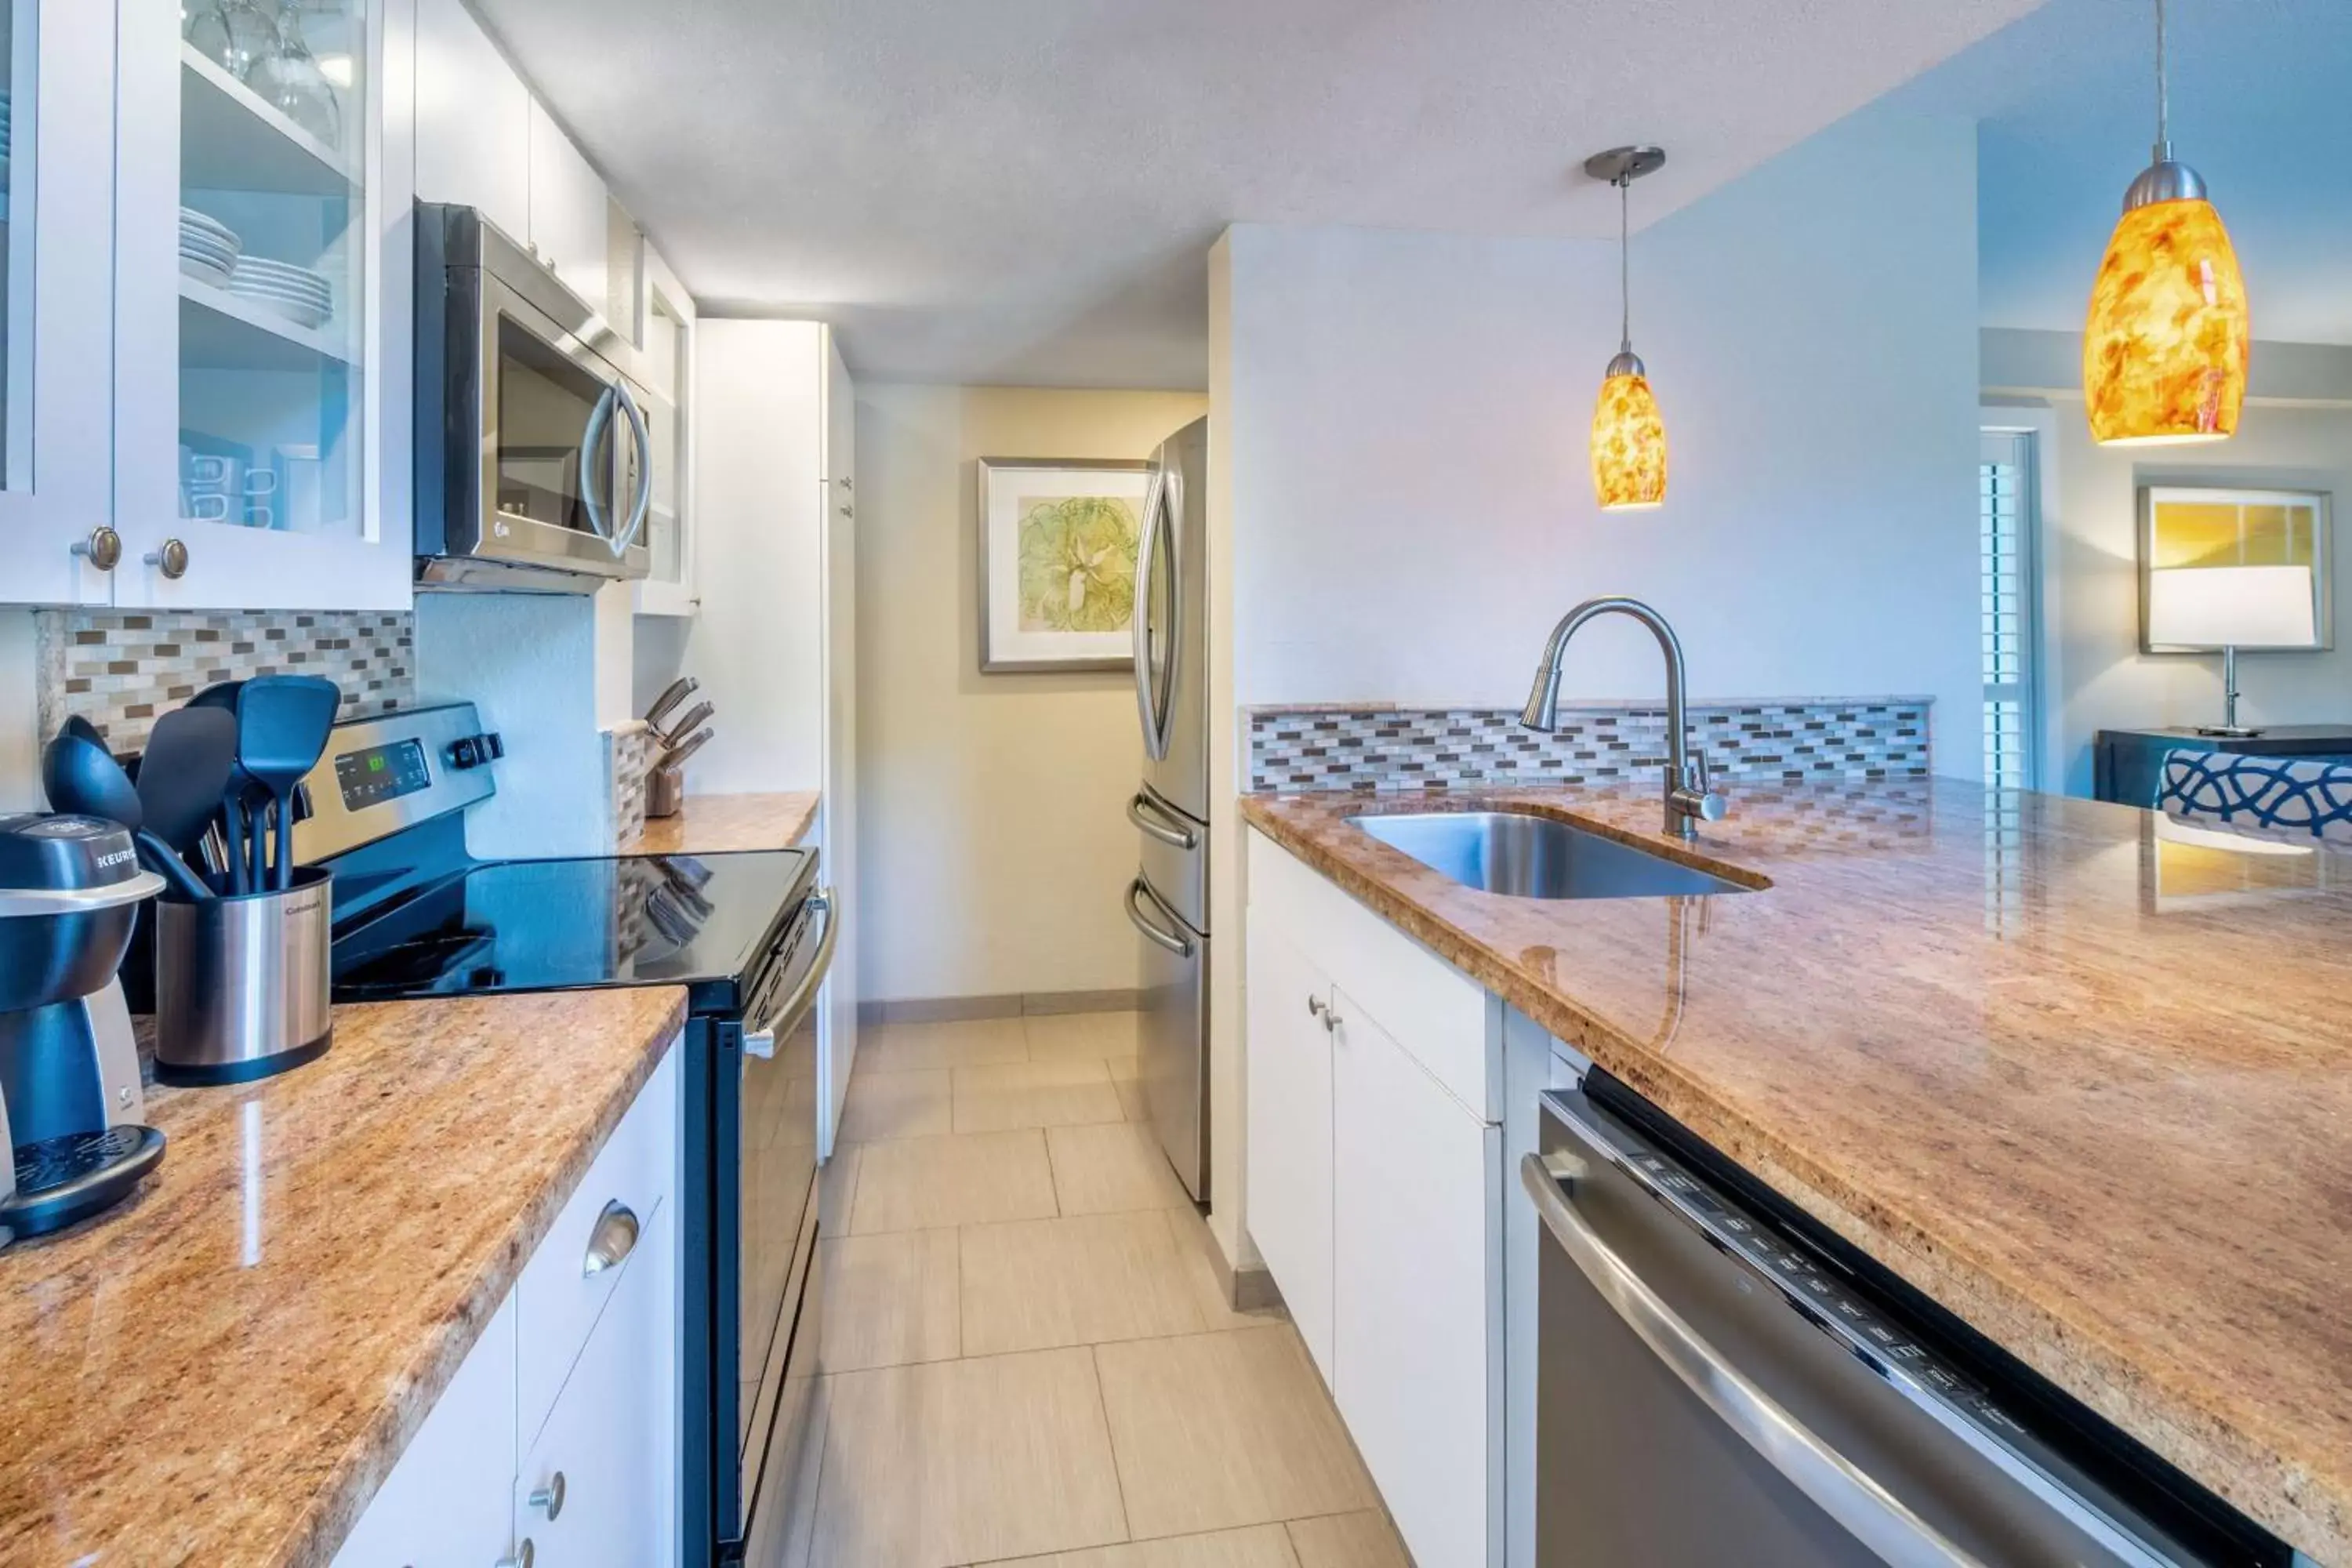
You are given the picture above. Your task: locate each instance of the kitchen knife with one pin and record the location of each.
(686, 726)
(684, 749)
(677, 692)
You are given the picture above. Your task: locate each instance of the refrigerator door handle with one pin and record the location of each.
(1154, 819)
(1140, 623)
(1874, 1516)
(1175, 941)
(1154, 705)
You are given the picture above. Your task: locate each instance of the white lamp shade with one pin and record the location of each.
(2232, 606)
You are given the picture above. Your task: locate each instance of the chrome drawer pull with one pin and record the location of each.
(614, 1237)
(523, 1558)
(549, 1496)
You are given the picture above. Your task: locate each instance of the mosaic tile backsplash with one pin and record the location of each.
(120, 670)
(1789, 741)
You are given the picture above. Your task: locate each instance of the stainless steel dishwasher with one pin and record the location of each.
(1720, 1383)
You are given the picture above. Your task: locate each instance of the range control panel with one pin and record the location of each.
(391, 771)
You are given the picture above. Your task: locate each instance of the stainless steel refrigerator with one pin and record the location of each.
(1169, 900)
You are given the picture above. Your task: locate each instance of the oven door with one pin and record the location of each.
(765, 1336)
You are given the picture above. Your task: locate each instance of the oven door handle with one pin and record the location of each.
(1848, 1494)
(760, 1041)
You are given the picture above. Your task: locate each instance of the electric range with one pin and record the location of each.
(747, 934)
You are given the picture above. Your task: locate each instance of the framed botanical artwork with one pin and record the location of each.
(2189, 528)
(1058, 547)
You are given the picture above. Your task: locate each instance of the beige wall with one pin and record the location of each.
(992, 837)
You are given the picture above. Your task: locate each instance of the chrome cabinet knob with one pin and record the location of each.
(102, 549)
(172, 560)
(548, 1498)
(1324, 1011)
(614, 1237)
(523, 1556)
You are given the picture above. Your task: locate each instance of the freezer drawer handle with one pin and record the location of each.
(1874, 1515)
(1153, 818)
(1175, 942)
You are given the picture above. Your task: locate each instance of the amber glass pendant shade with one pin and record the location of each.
(1629, 445)
(2165, 345)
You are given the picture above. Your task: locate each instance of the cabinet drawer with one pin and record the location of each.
(1442, 1018)
(598, 1487)
(557, 1301)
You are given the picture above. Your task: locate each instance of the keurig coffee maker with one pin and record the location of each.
(70, 1105)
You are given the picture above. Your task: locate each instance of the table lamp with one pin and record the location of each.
(2230, 607)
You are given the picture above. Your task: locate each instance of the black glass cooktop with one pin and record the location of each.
(705, 921)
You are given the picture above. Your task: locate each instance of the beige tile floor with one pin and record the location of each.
(1027, 1360)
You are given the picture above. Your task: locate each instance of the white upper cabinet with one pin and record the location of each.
(56, 219)
(666, 314)
(571, 222)
(265, 263)
(473, 119)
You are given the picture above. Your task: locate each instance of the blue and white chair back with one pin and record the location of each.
(2276, 793)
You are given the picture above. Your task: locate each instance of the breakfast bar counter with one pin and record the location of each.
(2080, 1074)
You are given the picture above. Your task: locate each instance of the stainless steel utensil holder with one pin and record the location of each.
(241, 983)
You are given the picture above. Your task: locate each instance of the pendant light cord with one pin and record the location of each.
(2163, 94)
(1624, 266)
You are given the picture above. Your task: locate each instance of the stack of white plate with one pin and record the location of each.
(208, 248)
(297, 293)
(5, 138)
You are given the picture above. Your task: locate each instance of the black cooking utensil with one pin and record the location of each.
(187, 764)
(237, 826)
(282, 721)
(83, 777)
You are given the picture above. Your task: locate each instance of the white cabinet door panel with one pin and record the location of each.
(570, 221)
(1290, 1117)
(837, 492)
(473, 119)
(613, 1436)
(1416, 1288)
(448, 1500)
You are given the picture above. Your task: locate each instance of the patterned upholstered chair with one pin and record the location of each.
(2278, 793)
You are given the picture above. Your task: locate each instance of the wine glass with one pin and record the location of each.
(289, 80)
(234, 34)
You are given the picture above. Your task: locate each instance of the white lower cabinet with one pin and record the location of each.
(446, 1500)
(1416, 1300)
(598, 1486)
(598, 1482)
(1376, 1194)
(1291, 1133)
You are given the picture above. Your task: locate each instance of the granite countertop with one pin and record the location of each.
(2087, 1084)
(710, 823)
(222, 1370)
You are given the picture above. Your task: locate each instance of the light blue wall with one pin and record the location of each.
(1408, 415)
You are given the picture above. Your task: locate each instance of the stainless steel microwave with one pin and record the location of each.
(534, 468)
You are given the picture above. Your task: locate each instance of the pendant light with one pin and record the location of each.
(1629, 438)
(2166, 342)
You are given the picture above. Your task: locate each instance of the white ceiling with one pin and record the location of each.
(1023, 191)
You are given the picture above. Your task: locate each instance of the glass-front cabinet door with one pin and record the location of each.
(262, 356)
(667, 363)
(56, 189)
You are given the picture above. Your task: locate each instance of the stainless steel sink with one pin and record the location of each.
(1530, 857)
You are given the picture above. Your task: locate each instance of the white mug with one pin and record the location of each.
(208, 507)
(204, 469)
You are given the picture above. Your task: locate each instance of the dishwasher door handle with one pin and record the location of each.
(1867, 1510)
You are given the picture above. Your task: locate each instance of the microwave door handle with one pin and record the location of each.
(1841, 1489)
(1147, 703)
(590, 439)
(645, 444)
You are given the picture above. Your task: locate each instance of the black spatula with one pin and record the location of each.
(189, 758)
(282, 722)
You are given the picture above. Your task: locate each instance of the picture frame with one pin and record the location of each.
(1054, 559)
(2187, 524)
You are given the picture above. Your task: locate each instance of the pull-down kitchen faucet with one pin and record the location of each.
(1689, 800)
